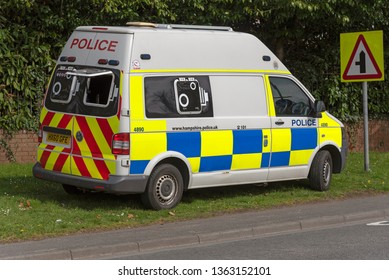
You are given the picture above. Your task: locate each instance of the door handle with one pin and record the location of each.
(265, 140)
(279, 122)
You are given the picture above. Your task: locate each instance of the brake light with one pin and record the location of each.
(40, 134)
(121, 144)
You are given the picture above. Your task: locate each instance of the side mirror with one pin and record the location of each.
(319, 107)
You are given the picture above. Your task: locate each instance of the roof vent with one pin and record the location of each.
(141, 24)
(178, 26)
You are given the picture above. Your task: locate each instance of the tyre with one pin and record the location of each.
(164, 189)
(321, 171)
(69, 189)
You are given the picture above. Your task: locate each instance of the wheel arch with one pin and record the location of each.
(176, 159)
(336, 157)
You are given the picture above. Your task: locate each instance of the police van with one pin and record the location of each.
(158, 109)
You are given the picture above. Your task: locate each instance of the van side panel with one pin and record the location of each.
(236, 139)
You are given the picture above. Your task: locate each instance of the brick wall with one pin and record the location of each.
(378, 136)
(24, 143)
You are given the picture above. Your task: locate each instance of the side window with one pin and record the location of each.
(172, 97)
(238, 95)
(289, 98)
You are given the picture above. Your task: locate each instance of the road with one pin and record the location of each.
(354, 242)
(326, 230)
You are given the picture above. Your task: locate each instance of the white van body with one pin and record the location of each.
(159, 109)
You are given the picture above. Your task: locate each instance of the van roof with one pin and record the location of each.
(194, 46)
(132, 27)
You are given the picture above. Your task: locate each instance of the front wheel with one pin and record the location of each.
(164, 189)
(321, 171)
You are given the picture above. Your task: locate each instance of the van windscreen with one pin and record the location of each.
(84, 91)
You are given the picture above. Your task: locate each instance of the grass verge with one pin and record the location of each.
(32, 208)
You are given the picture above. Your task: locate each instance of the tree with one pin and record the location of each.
(303, 33)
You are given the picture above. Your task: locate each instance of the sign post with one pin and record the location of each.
(362, 60)
(365, 126)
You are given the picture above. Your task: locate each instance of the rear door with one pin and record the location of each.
(96, 122)
(85, 96)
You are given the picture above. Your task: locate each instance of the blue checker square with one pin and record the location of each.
(247, 141)
(304, 138)
(215, 163)
(138, 166)
(279, 159)
(265, 160)
(186, 143)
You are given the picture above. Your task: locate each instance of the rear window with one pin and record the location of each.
(84, 91)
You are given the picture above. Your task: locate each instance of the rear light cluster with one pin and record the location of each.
(40, 134)
(121, 144)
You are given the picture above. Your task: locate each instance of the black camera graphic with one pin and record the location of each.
(190, 97)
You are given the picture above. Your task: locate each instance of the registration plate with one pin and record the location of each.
(58, 138)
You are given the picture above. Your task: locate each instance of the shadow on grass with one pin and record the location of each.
(28, 187)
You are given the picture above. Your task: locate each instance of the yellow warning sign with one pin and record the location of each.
(362, 56)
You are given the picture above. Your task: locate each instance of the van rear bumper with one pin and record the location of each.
(115, 184)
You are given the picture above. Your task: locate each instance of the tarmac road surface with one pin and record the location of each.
(241, 227)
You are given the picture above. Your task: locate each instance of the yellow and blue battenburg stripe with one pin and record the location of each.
(209, 151)
(293, 146)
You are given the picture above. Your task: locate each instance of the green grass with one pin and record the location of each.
(33, 209)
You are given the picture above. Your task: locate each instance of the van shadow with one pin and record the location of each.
(28, 187)
(25, 188)
(258, 191)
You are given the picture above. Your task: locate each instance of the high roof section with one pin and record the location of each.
(184, 48)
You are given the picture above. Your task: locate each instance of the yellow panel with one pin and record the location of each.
(148, 125)
(136, 97)
(333, 134)
(300, 157)
(329, 130)
(327, 121)
(195, 164)
(269, 98)
(246, 161)
(281, 140)
(266, 149)
(145, 146)
(216, 143)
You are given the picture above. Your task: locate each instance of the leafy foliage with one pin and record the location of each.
(303, 33)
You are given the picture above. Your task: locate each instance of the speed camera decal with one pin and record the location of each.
(178, 97)
(188, 99)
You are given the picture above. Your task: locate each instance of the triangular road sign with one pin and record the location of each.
(362, 64)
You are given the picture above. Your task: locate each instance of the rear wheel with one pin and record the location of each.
(321, 171)
(164, 189)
